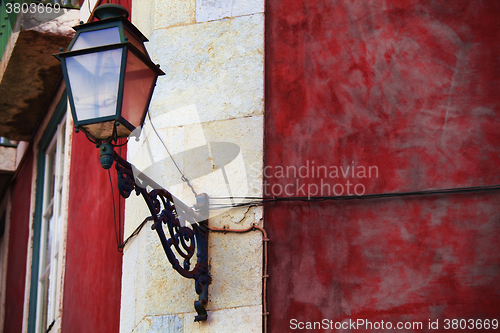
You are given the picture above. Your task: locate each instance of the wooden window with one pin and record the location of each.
(50, 230)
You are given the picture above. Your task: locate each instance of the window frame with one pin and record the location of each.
(51, 138)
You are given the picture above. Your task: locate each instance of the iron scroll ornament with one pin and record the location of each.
(183, 239)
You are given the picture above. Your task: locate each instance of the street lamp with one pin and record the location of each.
(110, 80)
(109, 75)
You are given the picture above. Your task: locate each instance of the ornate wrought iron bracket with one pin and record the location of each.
(183, 239)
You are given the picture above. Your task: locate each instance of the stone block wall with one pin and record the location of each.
(208, 110)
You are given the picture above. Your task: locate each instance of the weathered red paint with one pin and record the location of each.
(18, 246)
(92, 287)
(412, 88)
(92, 281)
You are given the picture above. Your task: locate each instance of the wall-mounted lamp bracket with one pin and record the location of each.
(177, 216)
(117, 64)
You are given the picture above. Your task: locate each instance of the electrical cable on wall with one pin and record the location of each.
(118, 230)
(117, 235)
(259, 201)
(265, 274)
(183, 177)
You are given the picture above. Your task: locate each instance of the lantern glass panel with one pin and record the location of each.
(96, 38)
(139, 82)
(94, 79)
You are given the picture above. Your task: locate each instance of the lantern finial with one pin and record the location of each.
(110, 10)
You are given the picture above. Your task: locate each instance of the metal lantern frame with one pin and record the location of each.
(184, 241)
(126, 44)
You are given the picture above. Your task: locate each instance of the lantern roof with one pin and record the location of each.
(120, 30)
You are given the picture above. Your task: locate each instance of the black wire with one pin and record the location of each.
(114, 135)
(120, 233)
(231, 197)
(264, 200)
(121, 144)
(136, 232)
(114, 213)
(91, 139)
(183, 178)
(120, 243)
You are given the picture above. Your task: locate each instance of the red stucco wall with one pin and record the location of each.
(410, 87)
(92, 284)
(92, 289)
(18, 246)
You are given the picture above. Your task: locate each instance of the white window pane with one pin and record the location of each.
(50, 232)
